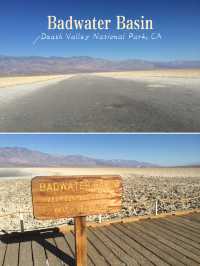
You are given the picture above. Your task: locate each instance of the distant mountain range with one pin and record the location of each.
(22, 157)
(10, 65)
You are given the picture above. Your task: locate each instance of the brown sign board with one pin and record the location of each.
(72, 196)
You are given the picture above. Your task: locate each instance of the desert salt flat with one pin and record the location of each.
(160, 78)
(174, 188)
(137, 101)
(28, 173)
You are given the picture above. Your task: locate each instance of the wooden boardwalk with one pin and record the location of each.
(171, 240)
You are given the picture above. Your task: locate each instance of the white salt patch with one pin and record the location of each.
(156, 86)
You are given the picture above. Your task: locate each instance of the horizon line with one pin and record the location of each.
(104, 58)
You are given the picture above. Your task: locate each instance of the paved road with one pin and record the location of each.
(87, 103)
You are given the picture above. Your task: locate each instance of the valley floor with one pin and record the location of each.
(139, 101)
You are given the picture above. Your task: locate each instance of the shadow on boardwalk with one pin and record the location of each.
(38, 247)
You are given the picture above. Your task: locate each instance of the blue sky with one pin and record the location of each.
(177, 20)
(162, 149)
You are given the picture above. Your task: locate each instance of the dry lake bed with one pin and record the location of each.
(138, 101)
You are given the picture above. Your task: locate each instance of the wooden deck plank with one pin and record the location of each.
(94, 257)
(51, 252)
(181, 223)
(193, 217)
(162, 242)
(66, 256)
(69, 238)
(188, 257)
(181, 240)
(39, 256)
(169, 255)
(133, 241)
(3, 247)
(89, 261)
(103, 250)
(168, 246)
(25, 253)
(181, 230)
(71, 241)
(126, 258)
(12, 253)
(176, 233)
(134, 250)
(196, 216)
(191, 223)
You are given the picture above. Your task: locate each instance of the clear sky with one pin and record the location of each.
(177, 20)
(161, 149)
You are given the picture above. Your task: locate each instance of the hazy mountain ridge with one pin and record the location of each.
(23, 157)
(11, 65)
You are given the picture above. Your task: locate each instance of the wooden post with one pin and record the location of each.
(100, 218)
(80, 241)
(21, 222)
(156, 207)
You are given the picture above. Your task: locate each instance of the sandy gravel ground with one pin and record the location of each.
(174, 189)
(106, 104)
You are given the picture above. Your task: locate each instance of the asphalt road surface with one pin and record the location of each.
(87, 103)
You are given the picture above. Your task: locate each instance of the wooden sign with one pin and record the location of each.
(76, 196)
(61, 197)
